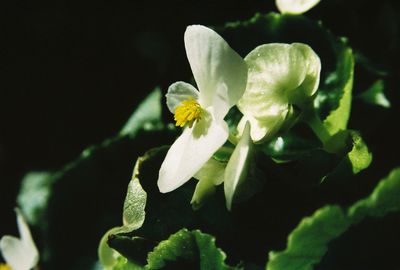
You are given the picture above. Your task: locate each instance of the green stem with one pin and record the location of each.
(317, 126)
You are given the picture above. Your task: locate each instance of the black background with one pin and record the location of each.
(73, 71)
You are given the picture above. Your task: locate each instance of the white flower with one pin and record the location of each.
(221, 75)
(20, 253)
(295, 6)
(280, 76)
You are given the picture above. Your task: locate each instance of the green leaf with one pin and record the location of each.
(354, 151)
(383, 200)
(188, 249)
(108, 257)
(308, 243)
(359, 156)
(147, 115)
(135, 201)
(338, 118)
(180, 245)
(375, 95)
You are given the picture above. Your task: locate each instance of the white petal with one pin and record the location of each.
(274, 68)
(190, 152)
(179, 92)
(16, 253)
(24, 231)
(313, 69)
(295, 6)
(20, 253)
(262, 130)
(218, 70)
(237, 168)
(221, 105)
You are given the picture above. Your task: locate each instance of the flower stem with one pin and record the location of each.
(317, 126)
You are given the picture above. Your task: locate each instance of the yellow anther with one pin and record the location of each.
(187, 112)
(4, 266)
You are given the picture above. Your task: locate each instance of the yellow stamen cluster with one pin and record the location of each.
(4, 266)
(187, 112)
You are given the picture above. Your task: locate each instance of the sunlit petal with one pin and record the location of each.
(220, 73)
(237, 167)
(20, 254)
(295, 6)
(190, 152)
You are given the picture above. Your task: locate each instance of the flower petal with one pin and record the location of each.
(190, 152)
(179, 92)
(25, 233)
(237, 168)
(16, 254)
(262, 130)
(20, 254)
(13, 249)
(312, 66)
(218, 70)
(295, 6)
(276, 68)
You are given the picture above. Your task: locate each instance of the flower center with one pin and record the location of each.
(4, 266)
(187, 112)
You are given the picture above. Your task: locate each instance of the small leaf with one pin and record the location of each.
(359, 156)
(354, 151)
(375, 95)
(135, 200)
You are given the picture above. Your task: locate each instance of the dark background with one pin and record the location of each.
(72, 72)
